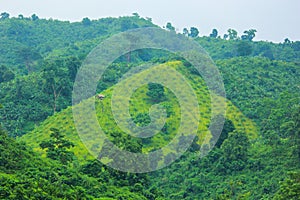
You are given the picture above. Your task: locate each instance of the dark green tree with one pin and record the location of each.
(28, 56)
(73, 65)
(194, 32)
(244, 48)
(225, 36)
(291, 128)
(136, 15)
(142, 119)
(185, 32)
(34, 17)
(267, 52)
(57, 147)
(214, 33)
(57, 81)
(127, 23)
(287, 41)
(6, 74)
(4, 15)
(227, 128)
(249, 35)
(156, 92)
(86, 21)
(235, 151)
(20, 16)
(290, 187)
(232, 34)
(170, 27)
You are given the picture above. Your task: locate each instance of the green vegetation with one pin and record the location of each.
(25, 175)
(138, 109)
(256, 157)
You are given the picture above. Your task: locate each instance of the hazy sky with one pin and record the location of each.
(274, 20)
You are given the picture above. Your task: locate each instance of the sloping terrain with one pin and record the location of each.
(140, 104)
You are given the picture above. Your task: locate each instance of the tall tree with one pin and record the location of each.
(86, 21)
(194, 32)
(56, 81)
(225, 36)
(232, 34)
(34, 17)
(249, 35)
(185, 32)
(20, 16)
(214, 33)
(170, 27)
(287, 41)
(136, 15)
(4, 15)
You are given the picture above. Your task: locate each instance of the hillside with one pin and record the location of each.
(42, 155)
(139, 109)
(25, 175)
(37, 54)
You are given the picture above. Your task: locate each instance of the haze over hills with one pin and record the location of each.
(274, 20)
(256, 157)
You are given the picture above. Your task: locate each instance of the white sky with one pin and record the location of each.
(274, 20)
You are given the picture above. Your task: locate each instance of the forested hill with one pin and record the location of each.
(46, 52)
(27, 40)
(256, 157)
(51, 51)
(223, 49)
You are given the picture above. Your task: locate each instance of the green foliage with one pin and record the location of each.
(50, 53)
(232, 34)
(261, 86)
(28, 100)
(235, 151)
(140, 104)
(25, 175)
(223, 49)
(29, 57)
(194, 32)
(214, 33)
(244, 48)
(170, 27)
(228, 128)
(57, 147)
(6, 74)
(267, 92)
(86, 21)
(39, 62)
(43, 36)
(142, 119)
(185, 32)
(34, 17)
(12, 155)
(290, 187)
(249, 35)
(4, 15)
(156, 92)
